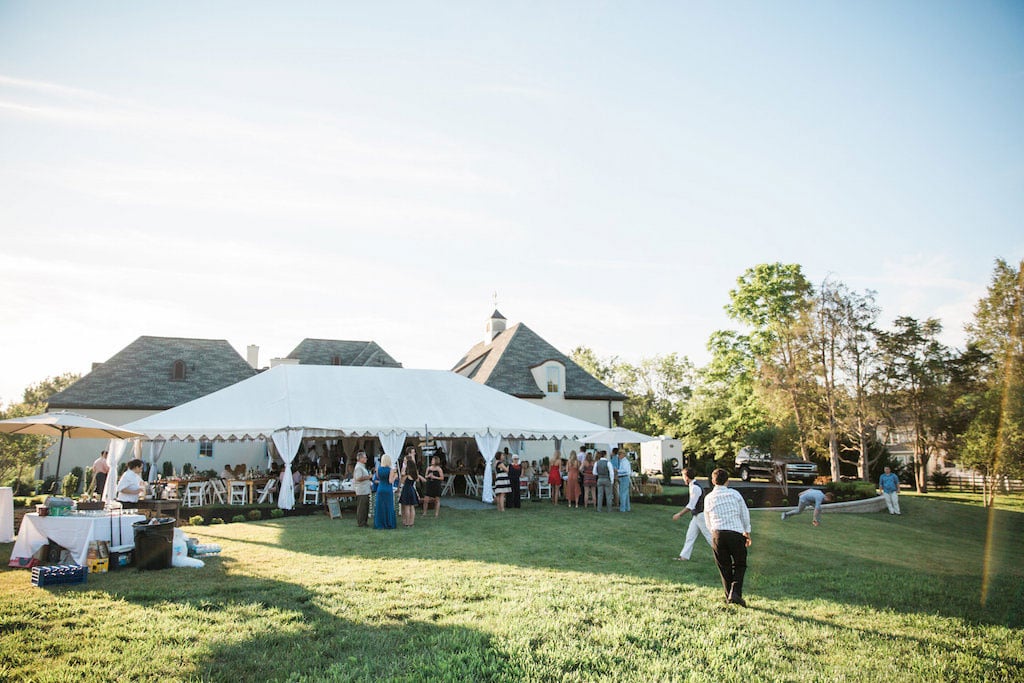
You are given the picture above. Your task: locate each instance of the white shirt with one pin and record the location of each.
(695, 493)
(129, 480)
(724, 510)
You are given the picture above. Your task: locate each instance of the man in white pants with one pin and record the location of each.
(695, 506)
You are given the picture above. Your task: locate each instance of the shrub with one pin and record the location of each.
(196, 520)
(940, 480)
(750, 502)
(187, 469)
(276, 513)
(216, 520)
(49, 486)
(255, 515)
(238, 518)
(666, 472)
(69, 486)
(168, 469)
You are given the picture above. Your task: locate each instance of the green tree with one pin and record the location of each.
(912, 379)
(725, 407)
(775, 300)
(19, 454)
(993, 442)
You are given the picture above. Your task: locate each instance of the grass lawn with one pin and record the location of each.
(545, 594)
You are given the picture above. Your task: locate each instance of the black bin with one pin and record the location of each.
(154, 543)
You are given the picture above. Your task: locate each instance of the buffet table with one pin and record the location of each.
(74, 532)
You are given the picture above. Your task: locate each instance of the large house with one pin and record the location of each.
(153, 374)
(518, 361)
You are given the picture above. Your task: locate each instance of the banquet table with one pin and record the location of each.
(74, 532)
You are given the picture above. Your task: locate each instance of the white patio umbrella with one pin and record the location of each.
(62, 424)
(616, 436)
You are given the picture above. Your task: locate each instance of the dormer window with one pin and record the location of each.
(178, 371)
(554, 376)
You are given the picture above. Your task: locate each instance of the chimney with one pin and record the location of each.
(495, 326)
(252, 354)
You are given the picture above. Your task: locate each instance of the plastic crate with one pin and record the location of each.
(58, 574)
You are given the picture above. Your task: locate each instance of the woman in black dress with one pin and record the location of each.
(435, 480)
(515, 471)
(409, 498)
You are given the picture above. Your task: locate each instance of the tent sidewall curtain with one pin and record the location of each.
(488, 444)
(287, 442)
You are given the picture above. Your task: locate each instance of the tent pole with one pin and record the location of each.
(60, 452)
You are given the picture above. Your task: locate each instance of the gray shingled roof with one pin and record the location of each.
(139, 377)
(360, 353)
(505, 365)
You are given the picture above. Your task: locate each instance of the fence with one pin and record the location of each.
(975, 482)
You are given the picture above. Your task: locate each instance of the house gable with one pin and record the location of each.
(508, 363)
(340, 352)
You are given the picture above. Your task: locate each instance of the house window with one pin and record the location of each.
(205, 449)
(554, 379)
(178, 371)
(616, 418)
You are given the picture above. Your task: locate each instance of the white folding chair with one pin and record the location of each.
(311, 491)
(267, 492)
(449, 486)
(524, 489)
(472, 487)
(238, 493)
(216, 492)
(194, 492)
(543, 488)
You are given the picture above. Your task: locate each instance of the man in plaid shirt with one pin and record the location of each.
(728, 520)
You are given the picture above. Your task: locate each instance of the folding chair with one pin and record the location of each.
(311, 491)
(543, 488)
(449, 486)
(473, 488)
(238, 493)
(216, 492)
(194, 493)
(267, 492)
(524, 489)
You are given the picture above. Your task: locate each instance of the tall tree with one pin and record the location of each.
(993, 442)
(775, 301)
(912, 378)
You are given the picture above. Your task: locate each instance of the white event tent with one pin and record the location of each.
(290, 402)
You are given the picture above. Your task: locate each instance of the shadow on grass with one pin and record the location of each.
(277, 630)
(929, 561)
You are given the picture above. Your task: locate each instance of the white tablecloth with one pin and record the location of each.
(74, 533)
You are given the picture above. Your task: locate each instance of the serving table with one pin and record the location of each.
(153, 507)
(73, 532)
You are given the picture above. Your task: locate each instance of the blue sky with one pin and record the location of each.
(265, 172)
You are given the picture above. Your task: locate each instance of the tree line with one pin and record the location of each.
(811, 371)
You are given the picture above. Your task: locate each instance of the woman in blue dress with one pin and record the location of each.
(384, 503)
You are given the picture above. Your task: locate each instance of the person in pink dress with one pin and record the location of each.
(572, 482)
(555, 476)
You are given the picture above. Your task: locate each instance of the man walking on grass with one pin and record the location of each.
(729, 522)
(694, 506)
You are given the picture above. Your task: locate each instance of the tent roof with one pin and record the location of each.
(335, 401)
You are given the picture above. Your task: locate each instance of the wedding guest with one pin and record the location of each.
(515, 473)
(361, 485)
(555, 476)
(572, 481)
(435, 480)
(408, 498)
(384, 502)
(502, 486)
(100, 470)
(589, 482)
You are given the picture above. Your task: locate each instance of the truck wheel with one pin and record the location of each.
(744, 474)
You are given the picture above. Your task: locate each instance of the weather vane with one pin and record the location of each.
(494, 297)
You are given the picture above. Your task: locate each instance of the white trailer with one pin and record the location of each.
(653, 453)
